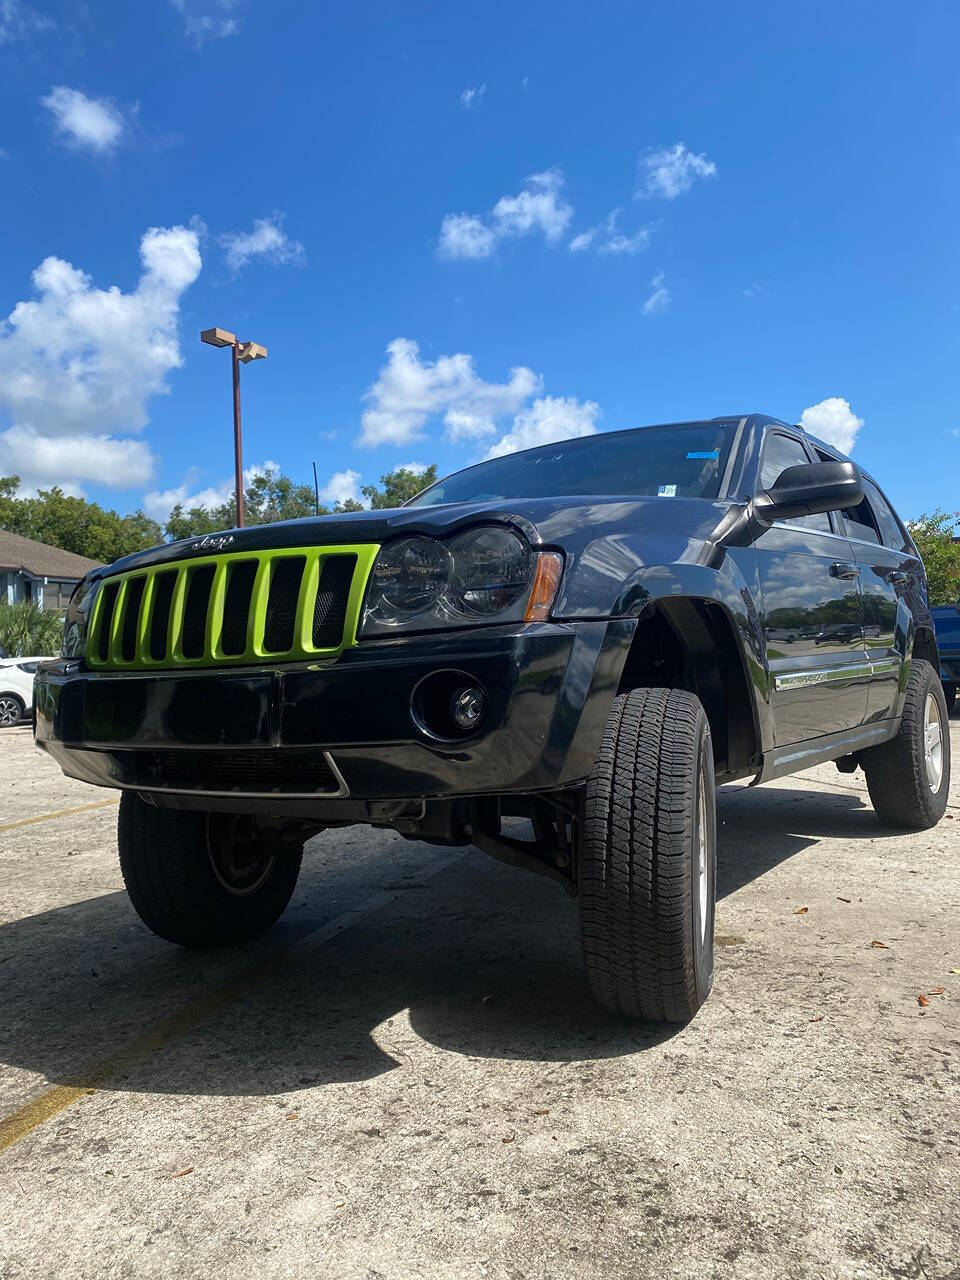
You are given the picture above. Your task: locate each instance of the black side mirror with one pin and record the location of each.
(810, 489)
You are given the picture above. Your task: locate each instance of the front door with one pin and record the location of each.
(809, 581)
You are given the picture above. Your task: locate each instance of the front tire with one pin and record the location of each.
(198, 879)
(648, 859)
(909, 777)
(12, 710)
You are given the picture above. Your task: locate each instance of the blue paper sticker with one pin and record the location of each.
(667, 491)
(704, 453)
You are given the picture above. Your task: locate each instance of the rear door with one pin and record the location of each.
(891, 579)
(809, 580)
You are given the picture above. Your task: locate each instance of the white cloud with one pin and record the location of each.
(266, 240)
(462, 235)
(93, 123)
(538, 209)
(20, 21)
(472, 97)
(549, 418)
(341, 486)
(659, 300)
(417, 468)
(409, 390)
(43, 460)
(669, 171)
(79, 363)
(755, 291)
(606, 239)
(160, 502)
(833, 421)
(213, 20)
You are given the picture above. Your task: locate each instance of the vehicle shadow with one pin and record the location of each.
(478, 960)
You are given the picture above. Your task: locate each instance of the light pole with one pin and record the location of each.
(241, 352)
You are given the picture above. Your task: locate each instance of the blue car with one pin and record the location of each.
(946, 621)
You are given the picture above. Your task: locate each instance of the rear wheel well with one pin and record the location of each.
(925, 646)
(692, 644)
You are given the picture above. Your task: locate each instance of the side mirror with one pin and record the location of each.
(810, 489)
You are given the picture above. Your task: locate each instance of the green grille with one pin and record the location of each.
(232, 609)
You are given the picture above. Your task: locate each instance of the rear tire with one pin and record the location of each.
(12, 710)
(907, 778)
(201, 880)
(648, 859)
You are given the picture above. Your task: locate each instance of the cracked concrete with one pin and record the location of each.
(429, 1092)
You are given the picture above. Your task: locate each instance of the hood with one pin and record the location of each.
(567, 523)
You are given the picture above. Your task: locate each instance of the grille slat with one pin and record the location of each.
(199, 583)
(131, 618)
(278, 630)
(302, 772)
(236, 606)
(333, 591)
(160, 618)
(287, 604)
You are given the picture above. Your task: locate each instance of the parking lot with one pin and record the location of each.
(407, 1078)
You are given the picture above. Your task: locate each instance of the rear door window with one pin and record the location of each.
(891, 531)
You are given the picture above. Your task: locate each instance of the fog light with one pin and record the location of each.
(467, 707)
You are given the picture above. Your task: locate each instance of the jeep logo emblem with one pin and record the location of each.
(212, 542)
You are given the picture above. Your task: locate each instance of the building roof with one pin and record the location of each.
(40, 560)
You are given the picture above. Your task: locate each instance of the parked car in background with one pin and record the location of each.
(16, 689)
(946, 621)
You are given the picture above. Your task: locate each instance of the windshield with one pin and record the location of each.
(683, 460)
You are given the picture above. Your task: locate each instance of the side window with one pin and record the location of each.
(891, 533)
(780, 452)
(858, 522)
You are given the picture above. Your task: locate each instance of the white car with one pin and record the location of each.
(16, 688)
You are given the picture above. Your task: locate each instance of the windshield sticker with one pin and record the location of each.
(667, 491)
(704, 453)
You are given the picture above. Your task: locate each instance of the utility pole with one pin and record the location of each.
(242, 353)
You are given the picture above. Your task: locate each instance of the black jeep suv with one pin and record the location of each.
(588, 635)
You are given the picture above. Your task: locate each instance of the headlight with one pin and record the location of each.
(77, 618)
(487, 574)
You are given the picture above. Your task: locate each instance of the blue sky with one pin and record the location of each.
(463, 228)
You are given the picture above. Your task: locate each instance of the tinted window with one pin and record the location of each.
(684, 461)
(888, 524)
(858, 522)
(780, 452)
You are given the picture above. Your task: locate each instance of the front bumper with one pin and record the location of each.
(344, 727)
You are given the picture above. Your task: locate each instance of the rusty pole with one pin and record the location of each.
(237, 433)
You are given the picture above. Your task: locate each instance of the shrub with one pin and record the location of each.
(29, 631)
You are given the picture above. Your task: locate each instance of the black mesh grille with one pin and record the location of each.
(244, 771)
(236, 606)
(131, 616)
(333, 592)
(195, 611)
(162, 596)
(107, 606)
(282, 604)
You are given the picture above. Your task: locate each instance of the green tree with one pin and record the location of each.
(936, 536)
(27, 631)
(75, 524)
(399, 486)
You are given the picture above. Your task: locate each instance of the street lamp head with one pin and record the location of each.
(248, 351)
(218, 337)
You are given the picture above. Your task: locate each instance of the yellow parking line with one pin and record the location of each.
(59, 813)
(54, 1100)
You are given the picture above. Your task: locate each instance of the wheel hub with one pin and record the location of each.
(932, 743)
(240, 861)
(9, 712)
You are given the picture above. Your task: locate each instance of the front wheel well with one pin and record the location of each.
(925, 646)
(693, 644)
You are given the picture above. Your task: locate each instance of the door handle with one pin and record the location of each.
(898, 577)
(844, 569)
